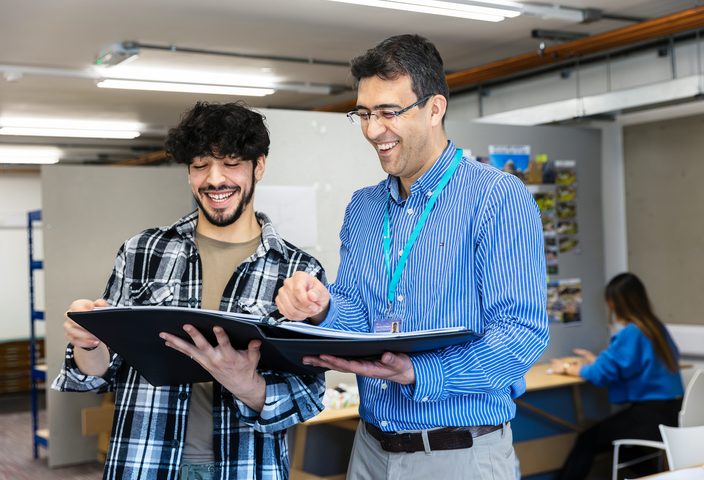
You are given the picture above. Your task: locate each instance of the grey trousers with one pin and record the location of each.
(491, 458)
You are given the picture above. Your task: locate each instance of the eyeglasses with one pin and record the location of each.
(358, 117)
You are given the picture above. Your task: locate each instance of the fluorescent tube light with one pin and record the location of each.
(53, 127)
(66, 132)
(17, 154)
(199, 77)
(450, 9)
(185, 87)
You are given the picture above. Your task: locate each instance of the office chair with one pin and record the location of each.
(683, 445)
(691, 415)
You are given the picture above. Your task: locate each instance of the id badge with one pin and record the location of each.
(389, 323)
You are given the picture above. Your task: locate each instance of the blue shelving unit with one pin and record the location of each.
(38, 371)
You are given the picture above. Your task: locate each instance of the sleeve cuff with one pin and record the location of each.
(282, 409)
(331, 317)
(429, 384)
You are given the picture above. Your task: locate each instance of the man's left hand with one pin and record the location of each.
(395, 367)
(236, 370)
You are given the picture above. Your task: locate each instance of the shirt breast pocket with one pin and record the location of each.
(151, 294)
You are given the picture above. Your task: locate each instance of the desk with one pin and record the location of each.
(537, 379)
(689, 473)
(547, 453)
(346, 418)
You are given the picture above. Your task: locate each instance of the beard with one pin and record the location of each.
(220, 218)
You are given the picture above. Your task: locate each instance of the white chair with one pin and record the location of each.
(691, 414)
(683, 446)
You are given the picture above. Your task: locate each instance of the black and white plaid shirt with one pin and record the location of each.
(161, 266)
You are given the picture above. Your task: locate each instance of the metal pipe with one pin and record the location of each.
(202, 51)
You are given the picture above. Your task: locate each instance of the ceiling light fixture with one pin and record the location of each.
(117, 53)
(51, 127)
(25, 155)
(185, 87)
(485, 11)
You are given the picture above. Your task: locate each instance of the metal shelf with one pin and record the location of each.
(40, 437)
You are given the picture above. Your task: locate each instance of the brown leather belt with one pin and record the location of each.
(450, 438)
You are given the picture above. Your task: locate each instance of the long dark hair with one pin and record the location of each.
(627, 299)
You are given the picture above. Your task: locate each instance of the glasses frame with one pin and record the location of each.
(356, 118)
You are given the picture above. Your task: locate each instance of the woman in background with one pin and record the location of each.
(639, 368)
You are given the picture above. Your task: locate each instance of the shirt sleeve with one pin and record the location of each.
(621, 360)
(346, 310)
(70, 378)
(509, 270)
(290, 399)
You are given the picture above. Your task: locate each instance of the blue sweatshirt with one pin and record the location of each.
(632, 371)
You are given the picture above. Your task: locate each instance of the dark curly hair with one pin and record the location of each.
(400, 55)
(218, 130)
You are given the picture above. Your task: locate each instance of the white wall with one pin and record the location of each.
(19, 193)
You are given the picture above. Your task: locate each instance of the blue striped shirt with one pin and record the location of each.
(478, 263)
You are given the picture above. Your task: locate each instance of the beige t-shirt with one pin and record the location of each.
(219, 260)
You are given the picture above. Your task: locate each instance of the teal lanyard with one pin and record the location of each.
(394, 279)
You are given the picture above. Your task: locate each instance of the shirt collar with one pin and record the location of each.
(427, 182)
(271, 240)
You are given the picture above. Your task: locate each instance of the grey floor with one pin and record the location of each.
(16, 462)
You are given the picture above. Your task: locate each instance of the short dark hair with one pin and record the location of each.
(218, 130)
(399, 55)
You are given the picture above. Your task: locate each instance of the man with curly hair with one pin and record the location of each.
(223, 256)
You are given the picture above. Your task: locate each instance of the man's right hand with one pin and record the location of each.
(90, 354)
(303, 296)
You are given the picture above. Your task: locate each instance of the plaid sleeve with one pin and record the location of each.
(290, 399)
(70, 378)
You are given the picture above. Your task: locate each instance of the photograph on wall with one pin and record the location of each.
(565, 300)
(566, 205)
(513, 159)
(546, 200)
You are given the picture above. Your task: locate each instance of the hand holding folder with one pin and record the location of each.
(133, 332)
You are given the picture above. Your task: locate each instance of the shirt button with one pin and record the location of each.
(384, 423)
(409, 211)
(174, 443)
(183, 396)
(400, 298)
(384, 386)
(424, 399)
(429, 194)
(400, 252)
(193, 301)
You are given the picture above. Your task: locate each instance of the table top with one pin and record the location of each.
(537, 378)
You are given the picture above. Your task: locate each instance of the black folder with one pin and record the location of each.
(133, 332)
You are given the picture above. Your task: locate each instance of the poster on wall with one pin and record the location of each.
(565, 300)
(546, 199)
(513, 159)
(566, 205)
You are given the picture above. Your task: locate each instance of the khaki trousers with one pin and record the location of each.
(490, 458)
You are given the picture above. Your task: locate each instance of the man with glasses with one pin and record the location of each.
(444, 241)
